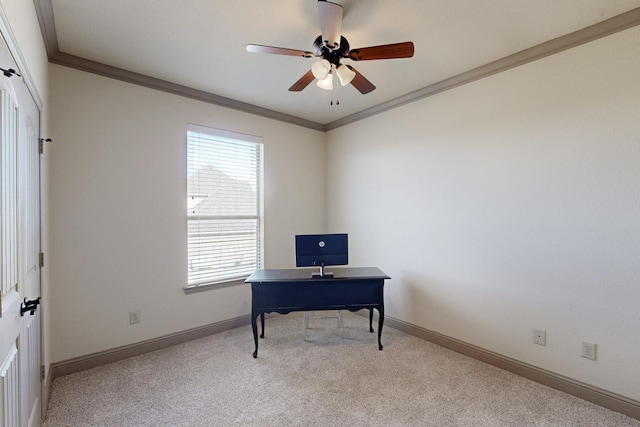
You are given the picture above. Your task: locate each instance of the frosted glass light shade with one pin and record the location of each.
(320, 69)
(326, 83)
(345, 74)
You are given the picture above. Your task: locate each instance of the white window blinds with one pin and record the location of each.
(224, 205)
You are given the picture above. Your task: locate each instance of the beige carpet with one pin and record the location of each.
(322, 376)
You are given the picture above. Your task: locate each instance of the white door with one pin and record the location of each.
(29, 254)
(20, 350)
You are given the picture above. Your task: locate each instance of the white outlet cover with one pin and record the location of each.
(589, 350)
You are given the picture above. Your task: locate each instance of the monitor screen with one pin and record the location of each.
(321, 250)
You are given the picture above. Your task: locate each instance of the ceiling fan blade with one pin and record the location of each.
(257, 48)
(330, 23)
(387, 51)
(363, 85)
(303, 82)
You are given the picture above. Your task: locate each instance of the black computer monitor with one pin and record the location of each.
(320, 250)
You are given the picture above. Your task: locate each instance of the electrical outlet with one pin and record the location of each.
(540, 336)
(589, 350)
(134, 317)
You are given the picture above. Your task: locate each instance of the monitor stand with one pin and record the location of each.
(322, 273)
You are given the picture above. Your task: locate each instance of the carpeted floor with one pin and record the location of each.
(322, 376)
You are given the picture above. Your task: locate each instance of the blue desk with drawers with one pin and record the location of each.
(284, 291)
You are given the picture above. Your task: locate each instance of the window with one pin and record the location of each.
(224, 205)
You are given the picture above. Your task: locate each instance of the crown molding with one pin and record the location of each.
(607, 27)
(89, 66)
(44, 12)
(601, 29)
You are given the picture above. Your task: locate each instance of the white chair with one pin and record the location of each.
(305, 319)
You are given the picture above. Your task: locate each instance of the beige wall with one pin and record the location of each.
(498, 207)
(509, 204)
(118, 210)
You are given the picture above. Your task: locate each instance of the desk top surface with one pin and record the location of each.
(304, 274)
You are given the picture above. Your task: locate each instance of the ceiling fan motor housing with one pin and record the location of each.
(333, 56)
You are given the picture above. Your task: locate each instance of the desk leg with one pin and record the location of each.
(380, 323)
(254, 326)
(262, 323)
(371, 320)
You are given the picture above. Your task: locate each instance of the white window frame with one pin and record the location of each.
(211, 264)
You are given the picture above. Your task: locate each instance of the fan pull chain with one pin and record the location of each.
(337, 100)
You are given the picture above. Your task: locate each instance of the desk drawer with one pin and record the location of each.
(319, 295)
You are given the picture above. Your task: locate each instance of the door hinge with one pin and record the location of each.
(41, 372)
(41, 142)
(41, 259)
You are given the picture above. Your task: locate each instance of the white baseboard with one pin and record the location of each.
(576, 388)
(601, 397)
(100, 358)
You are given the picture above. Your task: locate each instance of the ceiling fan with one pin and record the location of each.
(331, 47)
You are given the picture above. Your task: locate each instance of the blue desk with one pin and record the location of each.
(284, 291)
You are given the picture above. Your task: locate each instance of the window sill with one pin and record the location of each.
(212, 286)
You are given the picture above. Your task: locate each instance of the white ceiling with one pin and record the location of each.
(200, 44)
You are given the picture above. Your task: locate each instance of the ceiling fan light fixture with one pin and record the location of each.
(321, 69)
(326, 83)
(330, 47)
(345, 74)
